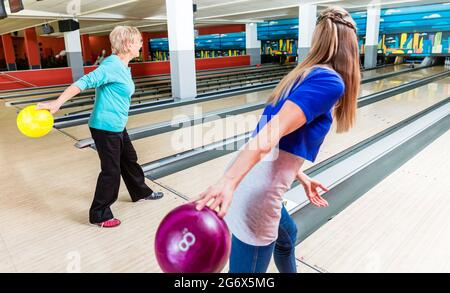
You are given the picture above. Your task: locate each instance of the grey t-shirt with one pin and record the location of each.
(255, 211)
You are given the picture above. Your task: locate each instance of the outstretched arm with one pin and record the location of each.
(93, 79)
(54, 106)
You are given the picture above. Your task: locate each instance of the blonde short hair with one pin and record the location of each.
(120, 36)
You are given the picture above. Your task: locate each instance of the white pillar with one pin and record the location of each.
(252, 45)
(307, 17)
(180, 25)
(73, 53)
(372, 34)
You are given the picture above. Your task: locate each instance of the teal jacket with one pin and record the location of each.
(114, 88)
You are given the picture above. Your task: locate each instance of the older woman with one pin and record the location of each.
(114, 88)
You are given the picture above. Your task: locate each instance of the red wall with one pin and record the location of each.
(222, 29)
(19, 47)
(156, 35)
(50, 45)
(32, 48)
(222, 62)
(86, 49)
(2, 53)
(98, 43)
(44, 77)
(7, 83)
(150, 68)
(57, 45)
(39, 77)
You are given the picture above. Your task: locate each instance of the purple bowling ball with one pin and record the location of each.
(191, 241)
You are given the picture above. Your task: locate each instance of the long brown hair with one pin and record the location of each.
(334, 44)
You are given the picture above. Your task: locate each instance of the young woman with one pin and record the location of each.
(292, 128)
(114, 88)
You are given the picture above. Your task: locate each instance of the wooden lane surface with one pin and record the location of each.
(47, 188)
(400, 226)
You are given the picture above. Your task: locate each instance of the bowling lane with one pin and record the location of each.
(81, 131)
(38, 90)
(163, 92)
(42, 91)
(153, 91)
(149, 150)
(88, 107)
(51, 94)
(384, 70)
(387, 83)
(147, 83)
(45, 90)
(414, 233)
(203, 86)
(141, 85)
(370, 120)
(144, 81)
(87, 95)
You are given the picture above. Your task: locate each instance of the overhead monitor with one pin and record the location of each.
(15, 5)
(2, 10)
(68, 25)
(47, 29)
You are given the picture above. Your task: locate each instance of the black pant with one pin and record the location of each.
(117, 157)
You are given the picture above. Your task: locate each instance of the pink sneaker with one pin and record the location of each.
(109, 223)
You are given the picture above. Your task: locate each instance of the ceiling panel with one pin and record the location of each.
(151, 14)
(18, 24)
(141, 9)
(68, 7)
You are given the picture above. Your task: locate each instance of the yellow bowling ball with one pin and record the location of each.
(34, 123)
